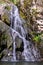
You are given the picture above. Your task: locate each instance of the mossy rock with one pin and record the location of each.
(8, 8)
(5, 18)
(18, 42)
(6, 36)
(22, 15)
(26, 3)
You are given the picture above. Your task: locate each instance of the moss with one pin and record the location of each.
(5, 18)
(15, 1)
(26, 3)
(22, 15)
(37, 39)
(8, 8)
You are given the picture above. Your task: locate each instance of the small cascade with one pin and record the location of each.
(30, 53)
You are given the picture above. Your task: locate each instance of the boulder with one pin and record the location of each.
(5, 39)
(19, 48)
(19, 44)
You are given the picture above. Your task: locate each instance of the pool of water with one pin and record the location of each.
(21, 63)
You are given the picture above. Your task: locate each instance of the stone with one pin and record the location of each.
(19, 48)
(5, 30)
(19, 44)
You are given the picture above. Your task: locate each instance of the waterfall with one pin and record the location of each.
(30, 53)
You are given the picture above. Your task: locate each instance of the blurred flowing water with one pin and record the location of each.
(30, 53)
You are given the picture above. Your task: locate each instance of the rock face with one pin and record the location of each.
(2, 6)
(40, 17)
(38, 6)
(5, 40)
(19, 48)
(39, 21)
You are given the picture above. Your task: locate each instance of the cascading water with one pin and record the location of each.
(30, 53)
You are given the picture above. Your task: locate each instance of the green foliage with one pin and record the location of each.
(14, 1)
(22, 15)
(37, 39)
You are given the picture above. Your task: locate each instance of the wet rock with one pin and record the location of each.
(19, 44)
(19, 30)
(19, 48)
(18, 55)
(28, 36)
